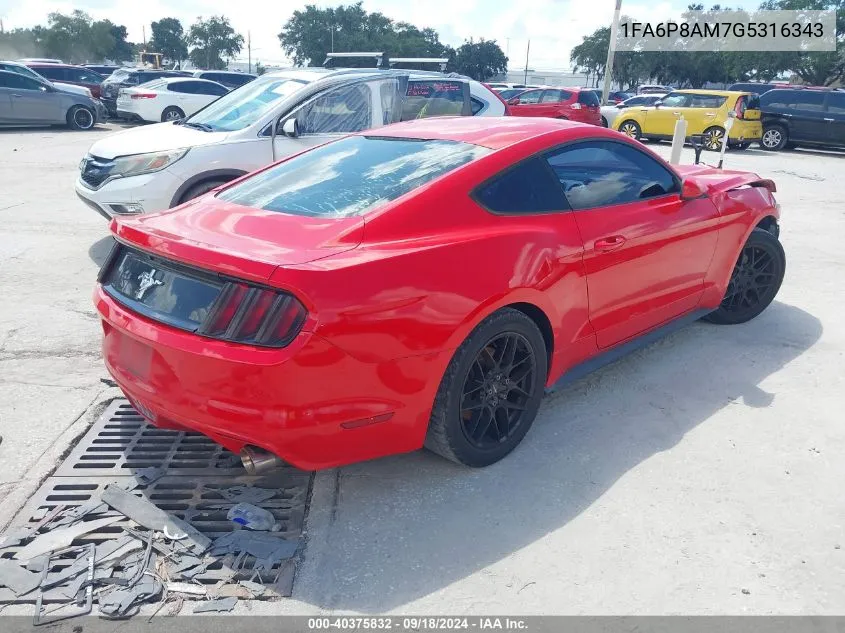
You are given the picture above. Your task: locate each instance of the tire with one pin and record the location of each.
(713, 138)
(604, 122)
(761, 262)
(201, 188)
(456, 433)
(632, 129)
(81, 118)
(775, 138)
(172, 113)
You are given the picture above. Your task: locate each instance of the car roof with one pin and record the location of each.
(310, 73)
(716, 93)
(493, 133)
(225, 72)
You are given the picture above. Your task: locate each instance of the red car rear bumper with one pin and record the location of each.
(310, 403)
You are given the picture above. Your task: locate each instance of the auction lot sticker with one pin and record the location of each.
(804, 31)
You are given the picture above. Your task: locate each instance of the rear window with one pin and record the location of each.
(706, 101)
(433, 98)
(351, 176)
(588, 98)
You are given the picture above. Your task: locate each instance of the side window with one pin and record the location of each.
(810, 100)
(477, 105)
(530, 187)
(53, 74)
(604, 173)
(180, 86)
(213, 89)
(778, 99)
(836, 102)
(339, 111)
(21, 82)
(676, 100)
(706, 101)
(86, 76)
(433, 98)
(532, 96)
(552, 96)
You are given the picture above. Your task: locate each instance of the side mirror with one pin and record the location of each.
(290, 128)
(691, 190)
(514, 101)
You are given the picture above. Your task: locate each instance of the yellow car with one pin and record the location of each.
(705, 112)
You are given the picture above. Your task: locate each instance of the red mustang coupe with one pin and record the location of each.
(421, 285)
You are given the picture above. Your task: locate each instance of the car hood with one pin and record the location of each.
(161, 137)
(241, 241)
(71, 89)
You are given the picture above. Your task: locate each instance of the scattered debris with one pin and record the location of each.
(149, 516)
(247, 494)
(268, 549)
(746, 592)
(187, 588)
(17, 578)
(61, 538)
(223, 604)
(149, 475)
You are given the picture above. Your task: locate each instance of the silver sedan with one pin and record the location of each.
(28, 101)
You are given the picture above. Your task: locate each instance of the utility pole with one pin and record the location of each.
(144, 36)
(611, 51)
(249, 51)
(527, 51)
(332, 37)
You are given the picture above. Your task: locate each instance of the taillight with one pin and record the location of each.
(143, 95)
(258, 316)
(739, 108)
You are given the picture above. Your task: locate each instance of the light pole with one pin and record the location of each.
(527, 50)
(611, 50)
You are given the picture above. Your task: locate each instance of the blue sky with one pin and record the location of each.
(554, 26)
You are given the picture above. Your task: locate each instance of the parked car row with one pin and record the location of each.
(27, 100)
(278, 114)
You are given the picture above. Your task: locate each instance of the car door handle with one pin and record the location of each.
(826, 119)
(609, 243)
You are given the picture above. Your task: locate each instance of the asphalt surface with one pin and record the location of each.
(701, 475)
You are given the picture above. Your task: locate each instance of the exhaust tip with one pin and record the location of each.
(257, 461)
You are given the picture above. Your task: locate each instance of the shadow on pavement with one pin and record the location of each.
(407, 526)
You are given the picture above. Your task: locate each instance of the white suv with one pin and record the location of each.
(155, 167)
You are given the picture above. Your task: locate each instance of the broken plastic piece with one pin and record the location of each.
(247, 494)
(16, 578)
(149, 516)
(16, 536)
(223, 604)
(187, 588)
(61, 538)
(149, 475)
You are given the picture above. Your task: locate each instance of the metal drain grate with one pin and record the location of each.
(190, 489)
(121, 440)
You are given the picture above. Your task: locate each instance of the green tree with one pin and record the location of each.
(259, 68)
(480, 60)
(213, 40)
(168, 38)
(122, 50)
(312, 32)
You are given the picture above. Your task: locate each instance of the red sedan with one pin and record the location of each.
(422, 285)
(573, 104)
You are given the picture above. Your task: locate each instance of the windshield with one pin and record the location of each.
(351, 176)
(26, 71)
(245, 105)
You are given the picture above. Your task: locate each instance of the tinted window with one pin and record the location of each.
(778, 99)
(588, 98)
(809, 100)
(676, 100)
(351, 176)
(476, 105)
(603, 173)
(532, 96)
(55, 74)
(530, 187)
(21, 82)
(237, 80)
(213, 89)
(836, 102)
(638, 101)
(433, 98)
(84, 76)
(706, 101)
(185, 87)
